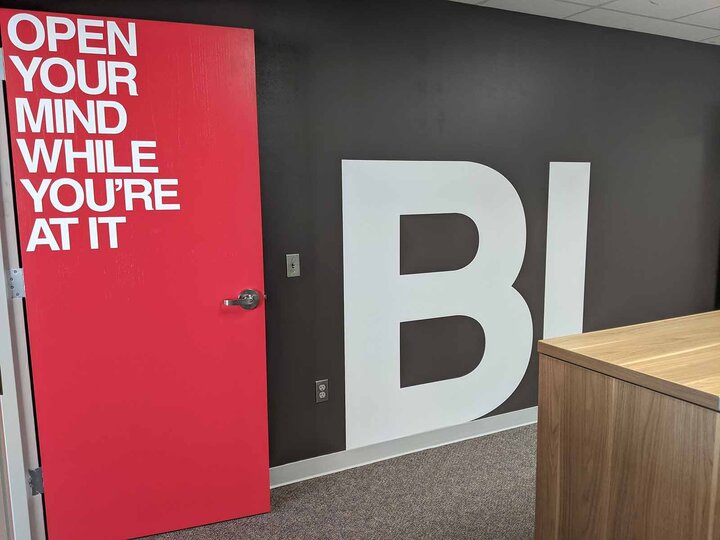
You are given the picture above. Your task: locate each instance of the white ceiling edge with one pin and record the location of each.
(689, 20)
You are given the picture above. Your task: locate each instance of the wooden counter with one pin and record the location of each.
(629, 432)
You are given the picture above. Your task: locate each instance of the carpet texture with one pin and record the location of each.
(483, 488)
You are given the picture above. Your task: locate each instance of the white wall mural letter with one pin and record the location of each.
(568, 199)
(378, 298)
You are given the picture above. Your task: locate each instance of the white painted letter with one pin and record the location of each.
(378, 298)
(35, 44)
(27, 73)
(36, 194)
(565, 254)
(54, 35)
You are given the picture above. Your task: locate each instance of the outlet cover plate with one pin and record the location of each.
(322, 391)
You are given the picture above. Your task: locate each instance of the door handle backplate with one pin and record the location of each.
(247, 299)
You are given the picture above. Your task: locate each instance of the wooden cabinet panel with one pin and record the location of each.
(617, 460)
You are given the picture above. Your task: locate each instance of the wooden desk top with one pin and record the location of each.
(678, 357)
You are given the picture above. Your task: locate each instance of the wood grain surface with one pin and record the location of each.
(678, 357)
(616, 460)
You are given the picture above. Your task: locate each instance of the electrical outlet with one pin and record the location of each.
(322, 391)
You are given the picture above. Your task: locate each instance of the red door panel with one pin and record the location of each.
(150, 394)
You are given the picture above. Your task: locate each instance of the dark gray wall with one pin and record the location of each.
(435, 80)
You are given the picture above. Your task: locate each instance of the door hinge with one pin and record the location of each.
(35, 479)
(2, 65)
(16, 282)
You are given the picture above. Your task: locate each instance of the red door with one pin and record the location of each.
(135, 158)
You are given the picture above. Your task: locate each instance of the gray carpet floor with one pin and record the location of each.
(482, 488)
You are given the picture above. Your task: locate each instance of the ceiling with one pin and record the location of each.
(693, 20)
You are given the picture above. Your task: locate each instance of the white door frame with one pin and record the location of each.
(18, 415)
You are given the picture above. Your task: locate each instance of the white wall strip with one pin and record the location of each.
(11, 422)
(568, 198)
(347, 459)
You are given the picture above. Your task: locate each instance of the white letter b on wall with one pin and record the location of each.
(378, 298)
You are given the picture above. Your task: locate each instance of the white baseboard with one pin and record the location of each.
(347, 459)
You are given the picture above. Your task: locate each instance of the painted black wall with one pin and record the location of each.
(435, 80)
